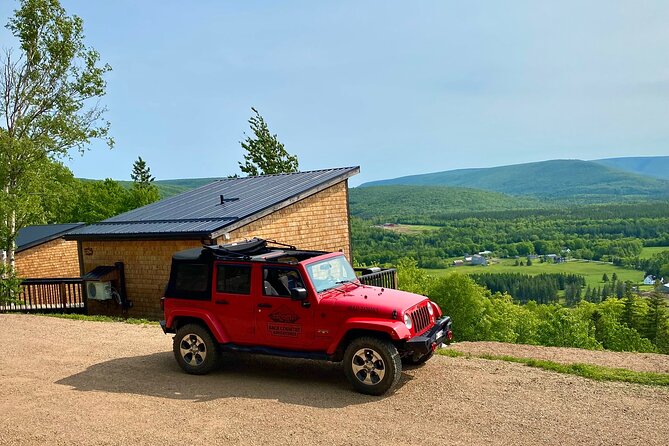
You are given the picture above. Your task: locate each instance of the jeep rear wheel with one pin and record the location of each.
(195, 349)
(373, 366)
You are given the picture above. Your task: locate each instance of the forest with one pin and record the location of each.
(630, 323)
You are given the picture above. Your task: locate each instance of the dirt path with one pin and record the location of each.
(91, 383)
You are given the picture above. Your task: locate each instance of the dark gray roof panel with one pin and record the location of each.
(200, 212)
(31, 236)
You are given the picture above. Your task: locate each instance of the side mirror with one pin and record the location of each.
(298, 294)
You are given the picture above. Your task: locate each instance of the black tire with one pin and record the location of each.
(412, 360)
(195, 349)
(372, 365)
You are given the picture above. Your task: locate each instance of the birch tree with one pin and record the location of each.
(50, 87)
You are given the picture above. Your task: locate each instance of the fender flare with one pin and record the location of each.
(211, 323)
(396, 330)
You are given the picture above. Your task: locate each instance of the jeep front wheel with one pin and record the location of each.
(195, 349)
(373, 366)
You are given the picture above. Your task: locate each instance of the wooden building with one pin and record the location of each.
(305, 209)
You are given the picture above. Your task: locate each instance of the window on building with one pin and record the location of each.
(233, 279)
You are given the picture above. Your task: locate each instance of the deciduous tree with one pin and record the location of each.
(49, 90)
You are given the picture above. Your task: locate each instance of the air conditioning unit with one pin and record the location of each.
(99, 290)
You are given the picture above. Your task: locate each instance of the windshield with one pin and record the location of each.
(330, 273)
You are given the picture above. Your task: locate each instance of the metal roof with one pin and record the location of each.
(215, 208)
(31, 236)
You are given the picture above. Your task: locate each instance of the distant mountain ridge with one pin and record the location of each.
(577, 180)
(654, 166)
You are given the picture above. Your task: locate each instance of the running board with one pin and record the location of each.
(276, 352)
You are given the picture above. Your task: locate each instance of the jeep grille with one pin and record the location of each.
(420, 318)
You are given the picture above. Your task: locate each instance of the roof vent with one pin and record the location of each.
(224, 200)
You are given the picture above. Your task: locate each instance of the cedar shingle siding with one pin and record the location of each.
(319, 221)
(56, 258)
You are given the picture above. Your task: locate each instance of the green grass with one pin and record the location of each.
(590, 371)
(648, 252)
(97, 318)
(592, 271)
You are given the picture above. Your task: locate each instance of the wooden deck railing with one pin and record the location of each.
(381, 277)
(46, 295)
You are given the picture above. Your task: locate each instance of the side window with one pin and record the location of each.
(233, 279)
(279, 281)
(190, 281)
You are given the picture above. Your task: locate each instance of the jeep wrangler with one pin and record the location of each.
(274, 299)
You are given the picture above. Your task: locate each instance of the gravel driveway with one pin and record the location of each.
(68, 382)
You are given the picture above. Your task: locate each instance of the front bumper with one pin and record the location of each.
(428, 342)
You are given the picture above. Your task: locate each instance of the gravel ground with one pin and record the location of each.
(68, 382)
(640, 362)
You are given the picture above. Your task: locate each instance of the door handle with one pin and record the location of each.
(264, 305)
(222, 302)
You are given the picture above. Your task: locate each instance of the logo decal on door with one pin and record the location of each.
(285, 315)
(284, 323)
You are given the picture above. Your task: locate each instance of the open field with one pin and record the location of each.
(592, 271)
(71, 382)
(650, 251)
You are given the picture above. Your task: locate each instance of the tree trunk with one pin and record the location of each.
(11, 249)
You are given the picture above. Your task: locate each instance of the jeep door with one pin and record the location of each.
(232, 300)
(280, 321)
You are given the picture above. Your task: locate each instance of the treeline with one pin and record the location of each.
(586, 239)
(629, 324)
(541, 288)
(89, 201)
(657, 265)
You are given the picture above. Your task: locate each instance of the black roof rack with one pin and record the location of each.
(255, 249)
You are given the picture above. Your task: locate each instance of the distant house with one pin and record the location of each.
(665, 288)
(532, 257)
(42, 252)
(467, 259)
(559, 260)
(458, 262)
(306, 209)
(649, 280)
(485, 253)
(479, 260)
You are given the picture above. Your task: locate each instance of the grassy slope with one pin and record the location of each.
(648, 252)
(370, 202)
(574, 180)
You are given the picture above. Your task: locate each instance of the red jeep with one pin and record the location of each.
(278, 300)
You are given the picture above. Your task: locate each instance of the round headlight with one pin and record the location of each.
(407, 321)
(430, 308)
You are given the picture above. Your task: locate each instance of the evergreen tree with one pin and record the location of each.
(656, 322)
(143, 190)
(605, 278)
(529, 262)
(614, 277)
(141, 173)
(265, 155)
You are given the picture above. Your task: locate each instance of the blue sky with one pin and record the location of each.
(398, 88)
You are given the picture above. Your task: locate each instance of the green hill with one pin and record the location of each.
(571, 180)
(398, 203)
(654, 166)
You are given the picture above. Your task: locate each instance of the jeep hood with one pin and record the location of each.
(370, 299)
